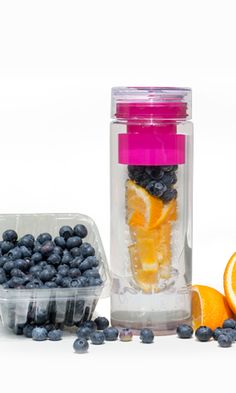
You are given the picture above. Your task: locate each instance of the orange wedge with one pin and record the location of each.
(143, 209)
(230, 282)
(209, 307)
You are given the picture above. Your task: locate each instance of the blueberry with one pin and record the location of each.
(203, 333)
(43, 265)
(75, 263)
(67, 258)
(57, 279)
(63, 270)
(37, 247)
(58, 250)
(16, 282)
(92, 273)
(41, 316)
(90, 324)
(3, 260)
(27, 330)
(81, 282)
(47, 248)
(66, 282)
(156, 188)
(88, 263)
(146, 336)
(46, 275)
(50, 284)
(54, 259)
(216, 333)
(136, 172)
(87, 250)
(126, 335)
(21, 264)
(81, 345)
(75, 252)
(72, 242)
(111, 333)
(169, 168)
(27, 241)
(37, 257)
(169, 195)
(184, 331)
(35, 270)
(74, 273)
(231, 332)
(66, 231)
(101, 323)
(155, 172)
(10, 236)
(6, 247)
(92, 282)
(80, 230)
(224, 341)
(97, 338)
(60, 242)
(25, 252)
(3, 278)
(84, 332)
(39, 334)
(5, 285)
(17, 273)
(44, 237)
(55, 335)
(229, 323)
(8, 266)
(169, 179)
(34, 284)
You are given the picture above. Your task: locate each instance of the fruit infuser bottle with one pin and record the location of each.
(151, 207)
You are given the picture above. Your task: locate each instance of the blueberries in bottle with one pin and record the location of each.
(80, 230)
(155, 172)
(10, 236)
(156, 189)
(169, 195)
(66, 231)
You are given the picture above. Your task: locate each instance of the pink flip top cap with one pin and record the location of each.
(151, 115)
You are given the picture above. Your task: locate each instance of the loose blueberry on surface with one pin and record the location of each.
(156, 189)
(229, 323)
(224, 341)
(84, 332)
(36, 257)
(44, 237)
(203, 333)
(184, 331)
(66, 231)
(97, 338)
(126, 335)
(55, 335)
(10, 236)
(54, 259)
(60, 241)
(87, 250)
(216, 333)
(81, 345)
(39, 334)
(90, 324)
(6, 247)
(49, 327)
(80, 230)
(231, 332)
(101, 323)
(146, 336)
(27, 330)
(111, 333)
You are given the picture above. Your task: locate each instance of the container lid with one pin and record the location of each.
(147, 103)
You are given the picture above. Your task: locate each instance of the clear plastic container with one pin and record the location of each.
(61, 306)
(151, 208)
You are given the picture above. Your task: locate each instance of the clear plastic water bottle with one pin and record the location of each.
(151, 207)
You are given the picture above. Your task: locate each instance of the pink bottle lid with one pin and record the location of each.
(151, 115)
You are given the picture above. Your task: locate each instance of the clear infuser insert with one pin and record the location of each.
(151, 208)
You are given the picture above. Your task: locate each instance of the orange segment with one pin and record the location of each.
(169, 213)
(230, 282)
(145, 278)
(147, 253)
(142, 209)
(209, 307)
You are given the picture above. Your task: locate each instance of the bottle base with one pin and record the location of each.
(160, 323)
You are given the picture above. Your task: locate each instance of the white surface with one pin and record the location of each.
(58, 61)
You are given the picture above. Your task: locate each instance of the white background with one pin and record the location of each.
(58, 61)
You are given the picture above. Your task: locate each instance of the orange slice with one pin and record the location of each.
(230, 282)
(169, 213)
(143, 209)
(209, 307)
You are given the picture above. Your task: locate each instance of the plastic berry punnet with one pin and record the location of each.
(151, 207)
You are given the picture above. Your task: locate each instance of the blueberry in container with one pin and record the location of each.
(42, 303)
